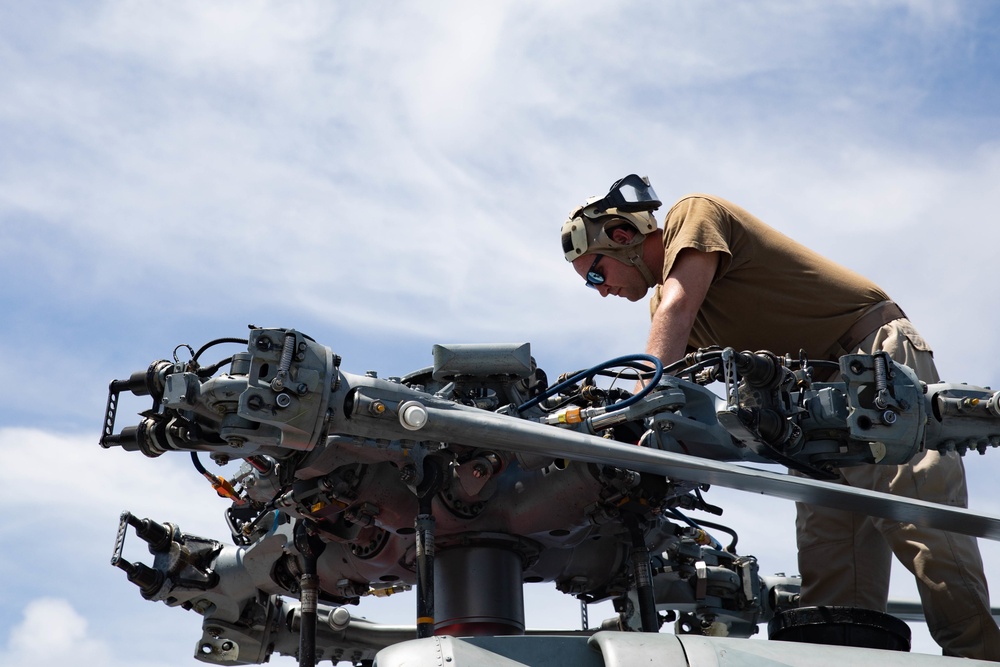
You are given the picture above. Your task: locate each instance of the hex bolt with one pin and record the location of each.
(888, 417)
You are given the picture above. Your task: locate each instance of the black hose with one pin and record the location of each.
(198, 465)
(731, 548)
(209, 371)
(218, 341)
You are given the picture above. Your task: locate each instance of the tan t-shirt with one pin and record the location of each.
(769, 292)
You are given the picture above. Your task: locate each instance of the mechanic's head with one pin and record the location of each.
(604, 239)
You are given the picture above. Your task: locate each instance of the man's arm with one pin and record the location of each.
(681, 296)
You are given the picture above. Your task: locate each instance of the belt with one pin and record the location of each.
(871, 320)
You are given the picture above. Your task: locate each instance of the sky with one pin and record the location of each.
(387, 176)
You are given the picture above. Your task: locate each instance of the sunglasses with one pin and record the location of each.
(595, 277)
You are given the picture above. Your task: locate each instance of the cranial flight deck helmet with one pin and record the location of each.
(631, 200)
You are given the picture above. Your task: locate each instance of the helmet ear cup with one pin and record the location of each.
(576, 236)
(567, 243)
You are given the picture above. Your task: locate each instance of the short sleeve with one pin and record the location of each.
(698, 223)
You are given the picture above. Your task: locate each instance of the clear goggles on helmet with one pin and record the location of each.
(631, 195)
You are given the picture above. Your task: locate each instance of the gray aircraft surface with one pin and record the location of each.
(466, 479)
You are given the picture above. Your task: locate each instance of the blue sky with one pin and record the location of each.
(385, 177)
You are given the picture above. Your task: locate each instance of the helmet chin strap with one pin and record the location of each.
(636, 259)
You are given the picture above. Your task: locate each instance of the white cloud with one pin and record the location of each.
(53, 634)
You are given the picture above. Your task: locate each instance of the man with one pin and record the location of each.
(723, 277)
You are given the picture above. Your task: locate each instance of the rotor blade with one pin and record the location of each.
(518, 435)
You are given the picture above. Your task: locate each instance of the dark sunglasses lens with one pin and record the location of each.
(595, 277)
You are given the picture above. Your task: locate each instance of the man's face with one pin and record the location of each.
(619, 279)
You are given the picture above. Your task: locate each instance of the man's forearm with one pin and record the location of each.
(681, 297)
(668, 335)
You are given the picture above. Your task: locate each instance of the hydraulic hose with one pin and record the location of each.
(618, 361)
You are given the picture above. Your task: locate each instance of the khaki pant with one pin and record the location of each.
(844, 558)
